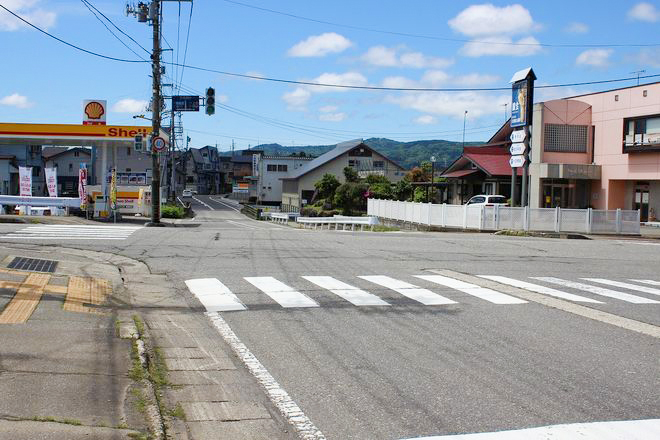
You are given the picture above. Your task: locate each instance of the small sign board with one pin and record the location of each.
(518, 136)
(185, 103)
(94, 111)
(158, 144)
(517, 148)
(517, 161)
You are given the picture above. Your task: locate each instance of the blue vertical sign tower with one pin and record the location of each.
(522, 102)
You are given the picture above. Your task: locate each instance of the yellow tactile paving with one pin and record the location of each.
(56, 289)
(13, 272)
(27, 298)
(78, 293)
(100, 290)
(10, 284)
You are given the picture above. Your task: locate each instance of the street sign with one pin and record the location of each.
(517, 161)
(517, 148)
(518, 136)
(158, 144)
(185, 103)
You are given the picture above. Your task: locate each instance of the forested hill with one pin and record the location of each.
(406, 154)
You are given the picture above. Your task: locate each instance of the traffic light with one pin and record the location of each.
(210, 101)
(138, 143)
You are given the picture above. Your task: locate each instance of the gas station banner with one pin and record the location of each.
(51, 181)
(25, 181)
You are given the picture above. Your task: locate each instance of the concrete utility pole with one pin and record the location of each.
(154, 11)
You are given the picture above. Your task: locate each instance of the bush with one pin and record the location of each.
(172, 211)
(326, 186)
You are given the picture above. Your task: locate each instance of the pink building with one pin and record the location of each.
(600, 150)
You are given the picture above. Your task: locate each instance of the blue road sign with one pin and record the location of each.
(185, 103)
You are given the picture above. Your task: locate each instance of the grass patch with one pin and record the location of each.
(178, 412)
(158, 369)
(117, 327)
(54, 420)
(139, 436)
(172, 211)
(383, 228)
(513, 233)
(136, 372)
(139, 325)
(141, 402)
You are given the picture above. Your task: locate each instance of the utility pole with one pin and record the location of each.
(154, 9)
(638, 72)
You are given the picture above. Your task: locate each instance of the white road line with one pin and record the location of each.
(205, 204)
(27, 237)
(625, 285)
(214, 295)
(538, 289)
(411, 291)
(649, 282)
(280, 398)
(72, 232)
(616, 430)
(281, 293)
(598, 290)
(243, 225)
(351, 294)
(225, 204)
(472, 289)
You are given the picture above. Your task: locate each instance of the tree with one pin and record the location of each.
(402, 190)
(381, 191)
(417, 174)
(351, 197)
(350, 174)
(375, 178)
(326, 186)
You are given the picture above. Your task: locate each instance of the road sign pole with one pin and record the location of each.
(514, 172)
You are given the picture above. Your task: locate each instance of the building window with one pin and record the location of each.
(70, 167)
(76, 153)
(641, 134)
(271, 167)
(645, 93)
(282, 168)
(379, 164)
(616, 98)
(128, 170)
(354, 163)
(565, 138)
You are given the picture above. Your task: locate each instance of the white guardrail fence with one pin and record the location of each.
(586, 221)
(337, 220)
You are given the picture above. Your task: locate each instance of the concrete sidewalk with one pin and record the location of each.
(103, 349)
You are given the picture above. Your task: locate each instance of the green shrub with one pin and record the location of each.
(172, 211)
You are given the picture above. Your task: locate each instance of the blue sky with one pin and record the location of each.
(46, 81)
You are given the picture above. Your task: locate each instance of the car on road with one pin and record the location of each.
(186, 194)
(487, 200)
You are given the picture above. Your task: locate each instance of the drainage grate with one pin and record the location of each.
(32, 264)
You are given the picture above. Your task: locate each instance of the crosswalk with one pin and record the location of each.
(72, 232)
(304, 292)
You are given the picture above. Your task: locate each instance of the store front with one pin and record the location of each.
(565, 193)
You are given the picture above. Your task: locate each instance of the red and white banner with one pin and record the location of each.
(51, 181)
(82, 186)
(25, 181)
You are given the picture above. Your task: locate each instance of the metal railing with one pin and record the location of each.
(337, 220)
(587, 221)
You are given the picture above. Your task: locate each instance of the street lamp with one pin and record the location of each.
(464, 118)
(432, 176)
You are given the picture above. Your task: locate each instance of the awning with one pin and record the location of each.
(460, 173)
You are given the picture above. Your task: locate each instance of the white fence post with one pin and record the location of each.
(619, 223)
(465, 216)
(557, 218)
(443, 221)
(482, 217)
(526, 218)
(589, 220)
(430, 204)
(496, 217)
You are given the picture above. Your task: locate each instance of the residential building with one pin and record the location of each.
(203, 173)
(271, 171)
(133, 167)
(67, 162)
(14, 156)
(298, 189)
(599, 150)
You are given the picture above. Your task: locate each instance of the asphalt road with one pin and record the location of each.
(409, 369)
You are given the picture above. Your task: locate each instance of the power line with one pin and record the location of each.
(117, 27)
(69, 44)
(429, 37)
(185, 53)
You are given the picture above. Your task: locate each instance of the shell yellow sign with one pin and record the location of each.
(71, 134)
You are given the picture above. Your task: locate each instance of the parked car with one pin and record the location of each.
(186, 194)
(487, 200)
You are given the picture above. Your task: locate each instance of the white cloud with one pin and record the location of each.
(342, 79)
(647, 57)
(383, 56)
(425, 120)
(130, 105)
(475, 79)
(451, 104)
(320, 45)
(29, 11)
(594, 58)
(329, 109)
(222, 99)
(501, 45)
(438, 78)
(576, 28)
(400, 82)
(297, 99)
(644, 12)
(488, 19)
(332, 117)
(16, 100)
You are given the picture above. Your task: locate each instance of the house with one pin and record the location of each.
(133, 167)
(67, 163)
(298, 188)
(599, 150)
(481, 169)
(203, 173)
(271, 171)
(14, 156)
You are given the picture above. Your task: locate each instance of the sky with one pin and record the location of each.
(433, 44)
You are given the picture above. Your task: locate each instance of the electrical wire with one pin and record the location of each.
(178, 39)
(185, 53)
(116, 27)
(430, 37)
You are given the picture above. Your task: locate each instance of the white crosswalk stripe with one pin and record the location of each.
(624, 285)
(72, 232)
(411, 291)
(284, 295)
(214, 295)
(351, 294)
(649, 282)
(472, 289)
(538, 289)
(598, 290)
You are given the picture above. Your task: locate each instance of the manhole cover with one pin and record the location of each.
(32, 264)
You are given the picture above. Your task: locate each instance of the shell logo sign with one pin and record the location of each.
(94, 112)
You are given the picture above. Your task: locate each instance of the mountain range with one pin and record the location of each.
(406, 154)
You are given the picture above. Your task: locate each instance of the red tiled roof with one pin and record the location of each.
(494, 163)
(460, 173)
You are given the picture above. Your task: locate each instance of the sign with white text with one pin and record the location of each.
(517, 161)
(94, 111)
(82, 185)
(517, 148)
(25, 178)
(519, 104)
(51, 181)
(518, 136)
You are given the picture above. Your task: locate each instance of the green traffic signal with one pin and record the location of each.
(210, 101)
